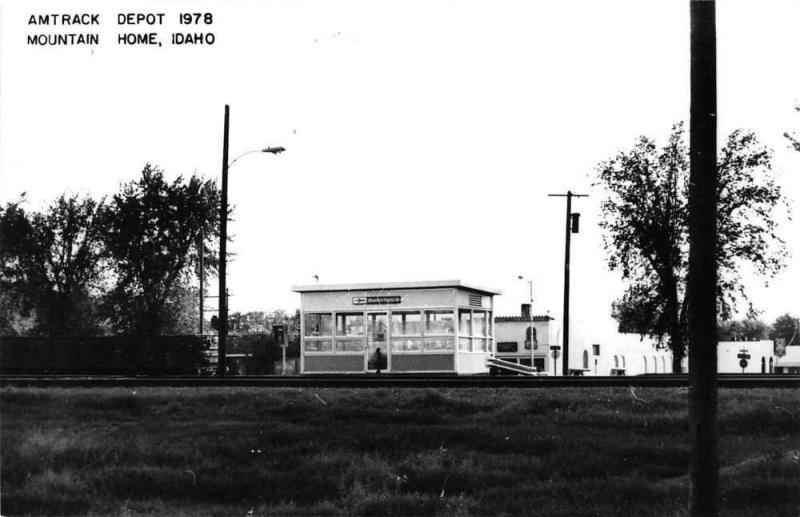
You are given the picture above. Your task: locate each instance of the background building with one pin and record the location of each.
(594, 350)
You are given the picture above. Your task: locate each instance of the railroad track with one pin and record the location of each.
(393, 381)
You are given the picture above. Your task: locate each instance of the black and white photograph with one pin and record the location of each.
(399, 258)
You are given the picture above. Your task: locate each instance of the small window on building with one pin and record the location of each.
(623, 361)
(595, 349)
(616, 362)
(507, 347)
(530, 337)
(585, 360)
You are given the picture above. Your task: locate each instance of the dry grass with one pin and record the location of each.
(460, 452)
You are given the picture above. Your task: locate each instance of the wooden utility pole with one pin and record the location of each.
(702, 278)
(223, 238)
(570, 229)
(201, 248)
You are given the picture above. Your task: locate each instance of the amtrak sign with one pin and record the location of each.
(376, 300)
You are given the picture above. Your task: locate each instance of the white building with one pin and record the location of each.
(593, 349)
(790, 362)
(439, 326)
(761, 357)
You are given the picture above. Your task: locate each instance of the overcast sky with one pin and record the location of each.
(422, 136)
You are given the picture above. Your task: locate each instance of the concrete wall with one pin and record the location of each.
(728, 362)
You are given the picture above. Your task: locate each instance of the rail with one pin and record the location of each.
(494, 362)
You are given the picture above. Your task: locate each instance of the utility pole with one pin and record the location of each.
(201, 251)
(223, 238)
(702, 277)
(572, 227)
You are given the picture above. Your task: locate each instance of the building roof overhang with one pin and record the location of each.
(428, 284)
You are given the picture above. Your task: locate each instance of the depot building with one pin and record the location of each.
(400, 327)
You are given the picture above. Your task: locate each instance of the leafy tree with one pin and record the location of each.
(788, 328)
(645, 223)
(793, 138)
(258, 322)
(52, 265)
(743, 330)
(153, 234)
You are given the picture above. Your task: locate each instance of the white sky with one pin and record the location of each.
(422, 136)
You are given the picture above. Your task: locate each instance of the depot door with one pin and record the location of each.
(377, 341)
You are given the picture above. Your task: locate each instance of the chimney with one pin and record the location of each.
(526, 311)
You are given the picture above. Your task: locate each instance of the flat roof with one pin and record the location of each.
(427, 284)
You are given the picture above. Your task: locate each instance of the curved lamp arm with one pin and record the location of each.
(271, 150)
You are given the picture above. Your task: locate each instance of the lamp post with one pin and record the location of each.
(530, 316)
(223, 239)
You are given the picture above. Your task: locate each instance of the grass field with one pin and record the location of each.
(459, 452)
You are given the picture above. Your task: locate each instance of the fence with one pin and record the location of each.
(124, 355)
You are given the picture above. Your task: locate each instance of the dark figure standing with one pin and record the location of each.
(378, 360)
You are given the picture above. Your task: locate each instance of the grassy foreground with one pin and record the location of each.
(459, 452)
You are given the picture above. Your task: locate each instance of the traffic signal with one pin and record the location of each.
(279, 334)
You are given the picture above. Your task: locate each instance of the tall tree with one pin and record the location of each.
(788, 328)
(645, 223)
(794, 138)
(153, 232)
(52, 264)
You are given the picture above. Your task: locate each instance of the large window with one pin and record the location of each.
(350, 332)
(406, 324)
(349, 325)
(319, 325)
(438, 344)
(406, 344)
(439, 323)
(465, 322)
(480, 344)
(479, 326)
(319, 345)
(474, 330)
(406, 329)
(318, 332)
(408, 336)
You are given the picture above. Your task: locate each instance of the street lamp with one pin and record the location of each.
(223, 239)
(530, 316)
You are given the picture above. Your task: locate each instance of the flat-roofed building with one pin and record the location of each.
(441, 326)
(536, 340)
